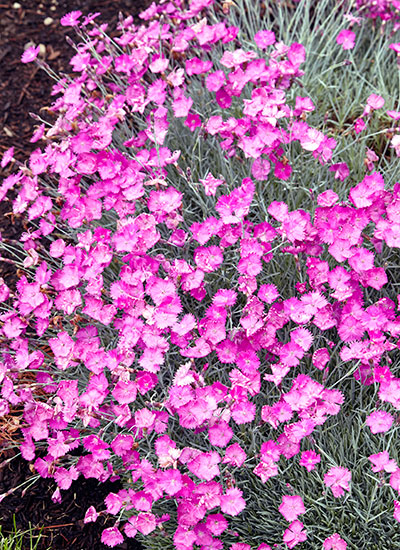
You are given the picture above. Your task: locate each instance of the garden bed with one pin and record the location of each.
(24, 89)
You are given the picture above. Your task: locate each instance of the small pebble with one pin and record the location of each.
(8, 132)
(42, 50)
(16, 5)
(48, 21)
(53, 8)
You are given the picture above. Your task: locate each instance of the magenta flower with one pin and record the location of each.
(234, 455)
(210, 184)
(338, 478)
(263, 39)
(381, 462)
(379, 422)
(215, 81)
(112, 537)
(395, 480)
(334, 542)
(359, 125)
(375, 101)
(294, 534)
(70, 19)
(8, 155)
(346, 38)
(91, 515)
(309, 459)
(146, 522)
(216, 524)
(396, 513)
(232, 502)
(30, 54)
(209, 258)
(320, 358)
(220, 433)
(292, 507)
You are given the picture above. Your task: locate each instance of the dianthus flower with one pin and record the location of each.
(112, 537)
(346, 38)
(70, 19)
(381, 462)
(396, 513)
(309, 459)
(294, 534)
(334, 542)
(338, 478)
(30, 54)
(379, 422)
(232, 502)
(292, 507)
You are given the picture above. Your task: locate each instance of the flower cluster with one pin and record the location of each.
(146, 310)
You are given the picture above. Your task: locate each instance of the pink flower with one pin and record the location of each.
(146, 522)
(268, 293)
(216, 524)
(240, 546)
(170, 481)
(296, 54)
(144, 418)
(184, 538)
(159, 64)
(327, 198)
(395, 480)
(338, 478)
(309, 459)
(210, 184)
(396, 513)
(181, 104)
(291, 507)
(243, 412)
(263, 39)
(294, 534)
(205, 465)
(320, 358)
(234, 455)
(62, 345)
(341, 172)
(359, 125)
(375, 101)
(197, 66)
(346, 38)
(381, 462)
(232, 502)
(220, 434)
(91, 515)
(311, 139)
(215, 81)
(334, 542)
(395, 46)
(209, 258)
(125, 392)
(30, 54)
(379, 422)
(70, 19)
(8, 155)
(361, 259)
(112, 537)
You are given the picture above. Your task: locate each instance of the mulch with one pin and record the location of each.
(25, 90)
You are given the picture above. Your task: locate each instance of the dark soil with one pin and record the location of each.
(23, 90)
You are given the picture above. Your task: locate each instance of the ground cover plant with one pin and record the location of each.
(16, 540)
(207, 299)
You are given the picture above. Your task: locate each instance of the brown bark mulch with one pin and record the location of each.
(24, 89)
